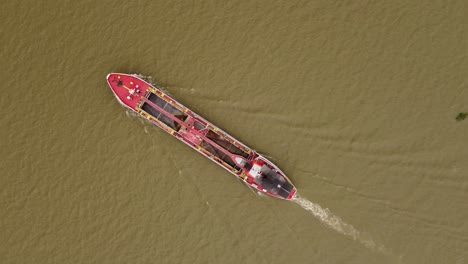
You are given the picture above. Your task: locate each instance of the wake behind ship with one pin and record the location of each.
(207, 139)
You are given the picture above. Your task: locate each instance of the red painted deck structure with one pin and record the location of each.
(179, 121)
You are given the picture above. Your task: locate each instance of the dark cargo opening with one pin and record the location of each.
(218, 153)
(226, 144)
(167, 107)
(199, 126)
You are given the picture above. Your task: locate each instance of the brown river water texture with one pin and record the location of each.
(356, 101)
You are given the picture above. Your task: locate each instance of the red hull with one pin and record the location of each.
(207, 139)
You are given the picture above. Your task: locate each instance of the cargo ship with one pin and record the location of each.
(155, 105)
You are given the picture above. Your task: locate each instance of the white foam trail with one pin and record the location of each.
(334, 222)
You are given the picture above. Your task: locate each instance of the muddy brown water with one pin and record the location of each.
(356, 102)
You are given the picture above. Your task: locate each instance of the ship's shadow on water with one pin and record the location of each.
(335, 223)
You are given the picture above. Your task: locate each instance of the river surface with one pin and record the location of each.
(354, 101)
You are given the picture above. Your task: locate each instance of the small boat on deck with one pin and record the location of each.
(165, 112)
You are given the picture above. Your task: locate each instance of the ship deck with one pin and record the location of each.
(195, 131)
